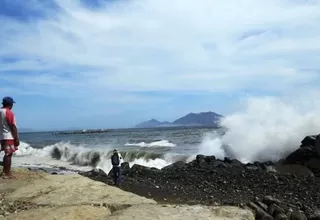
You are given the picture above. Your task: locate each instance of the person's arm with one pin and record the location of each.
(12, 123)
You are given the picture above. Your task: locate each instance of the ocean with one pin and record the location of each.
(156, 147)
(265, 129)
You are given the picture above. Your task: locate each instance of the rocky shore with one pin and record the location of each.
(43, 196)
(287, 189)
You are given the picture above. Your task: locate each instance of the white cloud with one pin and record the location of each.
(162, 45)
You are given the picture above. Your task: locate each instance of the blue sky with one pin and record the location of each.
(95, 64)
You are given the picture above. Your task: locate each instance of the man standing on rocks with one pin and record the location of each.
(8, 135)
(116, 167)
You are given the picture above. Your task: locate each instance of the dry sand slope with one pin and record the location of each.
(42, 196)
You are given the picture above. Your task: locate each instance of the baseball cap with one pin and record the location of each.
(8, 100)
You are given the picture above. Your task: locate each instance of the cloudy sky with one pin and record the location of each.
(114, 63)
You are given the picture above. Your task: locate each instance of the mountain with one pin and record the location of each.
(152, 123)
(202, 118)
(191, 119)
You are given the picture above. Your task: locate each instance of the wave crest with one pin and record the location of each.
(97, 158)
(161, 143)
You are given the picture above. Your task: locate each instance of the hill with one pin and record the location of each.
(191, 119)
(203, 118)
(152, 123)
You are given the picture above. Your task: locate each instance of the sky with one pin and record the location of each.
(115, 63)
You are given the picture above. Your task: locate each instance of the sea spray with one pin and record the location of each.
(266, 129)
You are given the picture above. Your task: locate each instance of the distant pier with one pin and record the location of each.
(94, 131)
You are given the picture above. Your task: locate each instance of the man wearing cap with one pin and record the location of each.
(8, 135)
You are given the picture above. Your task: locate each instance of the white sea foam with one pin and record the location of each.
(81, 158)
(265, 129)
(162, 143)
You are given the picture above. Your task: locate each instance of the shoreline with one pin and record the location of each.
(39, 195)
(284, 190)
(141, 181)
(288, 189)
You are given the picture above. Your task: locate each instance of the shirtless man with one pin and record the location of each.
(8, 135)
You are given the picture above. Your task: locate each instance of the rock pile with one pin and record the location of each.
(308, 154)
(288, 189)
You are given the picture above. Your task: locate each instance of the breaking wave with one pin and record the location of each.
(162, 143)
(81, 156)
(266, 129)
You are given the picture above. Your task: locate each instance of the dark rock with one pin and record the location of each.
(297, 216)
(251, 166)
(259, 212)
(62, 168)
(220, 164)
(200, 159)
(308, 154)
(135, 169)
(277, 210)
(235, 162)
(210, 159)
(125, 168)
(261, 205)
(315, 215)
(227, 160)
(313, 163)
(281, 216)
(176, 165)
(100, 172)
(302, 156)
(295, 169)
(269, 200)
(94, 173)
(309, 140)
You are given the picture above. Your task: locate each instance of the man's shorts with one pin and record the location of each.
(8, 148)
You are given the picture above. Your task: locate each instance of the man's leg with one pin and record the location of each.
(117, 177)
(7, 160)
(114, 169)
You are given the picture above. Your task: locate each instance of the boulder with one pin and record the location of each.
(176, 165)
(297, 216)
(259, 212)
(200, 159)
(205, 160)
(94, 173)
(125, 168)
(281, 216)
(301, 155)
(139, 169)
(315, 215)
(308, 154)
(295, 169)
(309, 140)
(269, 200)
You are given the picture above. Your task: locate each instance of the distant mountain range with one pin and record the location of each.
(191, 119)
